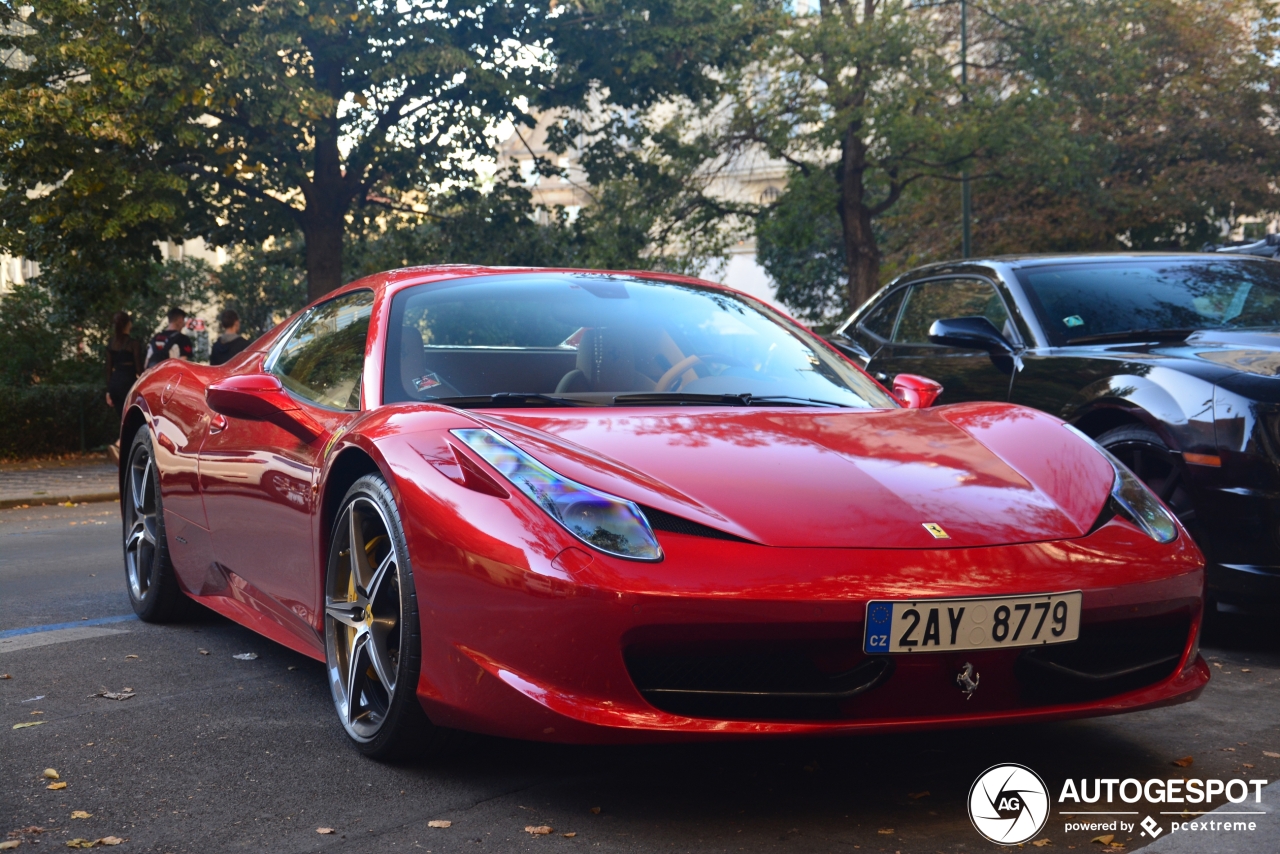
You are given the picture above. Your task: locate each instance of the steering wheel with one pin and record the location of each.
(668, 381)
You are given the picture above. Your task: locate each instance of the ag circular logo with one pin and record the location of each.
(1009, 804)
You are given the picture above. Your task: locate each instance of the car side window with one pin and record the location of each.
(880, 319)
(943, 298)
(323, 358)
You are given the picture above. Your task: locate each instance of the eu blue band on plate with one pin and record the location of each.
(879, 622)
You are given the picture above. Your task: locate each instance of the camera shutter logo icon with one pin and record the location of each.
(1009, 804)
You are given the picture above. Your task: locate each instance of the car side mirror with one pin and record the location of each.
(916, 392)
(970, 333)
(261, 397)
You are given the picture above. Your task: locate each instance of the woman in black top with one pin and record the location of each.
(124, 361)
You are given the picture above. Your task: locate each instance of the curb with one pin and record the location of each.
(46, 500)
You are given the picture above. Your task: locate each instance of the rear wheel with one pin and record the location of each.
(153, 585)
(373, 645)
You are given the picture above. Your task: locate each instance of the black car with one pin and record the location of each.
(1172, 362)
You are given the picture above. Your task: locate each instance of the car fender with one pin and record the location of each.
(1149, 400)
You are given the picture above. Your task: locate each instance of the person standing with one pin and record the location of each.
(230, 342)
(171, 342)
(124, 363)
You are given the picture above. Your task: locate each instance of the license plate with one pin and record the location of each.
(942, 625)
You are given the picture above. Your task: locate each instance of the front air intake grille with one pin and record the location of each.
(662, 521)
(752, 682)
(1108, 659)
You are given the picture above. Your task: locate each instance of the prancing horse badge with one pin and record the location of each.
(936, 529)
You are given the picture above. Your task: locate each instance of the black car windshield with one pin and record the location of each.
(1096, 300)
(584, 338)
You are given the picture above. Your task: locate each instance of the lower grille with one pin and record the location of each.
(1108, 659)
(753, 683)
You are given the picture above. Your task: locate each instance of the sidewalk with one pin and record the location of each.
(91, 478)
(1266, 838)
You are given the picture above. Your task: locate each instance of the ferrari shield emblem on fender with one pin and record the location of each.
(937, 531)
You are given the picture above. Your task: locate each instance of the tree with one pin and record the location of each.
(870, 91)
(141, 120)
(242, 121)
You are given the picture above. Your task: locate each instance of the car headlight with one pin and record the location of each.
(1132, 499)
(605, 522)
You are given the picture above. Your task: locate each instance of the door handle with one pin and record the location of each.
(218, 423)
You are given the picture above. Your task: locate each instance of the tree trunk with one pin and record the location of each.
(328, 195)
(862, 255)
(324, 232)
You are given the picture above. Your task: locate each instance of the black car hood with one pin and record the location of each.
(1251, 351)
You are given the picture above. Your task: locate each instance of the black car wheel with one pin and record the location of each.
(153, 586)
(1163, 471)
(373, 645)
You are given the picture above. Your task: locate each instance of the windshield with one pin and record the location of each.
(588, 338)
(1081, 301)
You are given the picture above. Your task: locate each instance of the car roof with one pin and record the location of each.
(1030, 260)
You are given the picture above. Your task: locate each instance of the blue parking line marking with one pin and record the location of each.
(53, 627)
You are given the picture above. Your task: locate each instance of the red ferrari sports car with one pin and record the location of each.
(601, 507)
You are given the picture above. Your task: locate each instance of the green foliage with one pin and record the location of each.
(264, 285)
(798, 242)
(54, 419)
(57, 325)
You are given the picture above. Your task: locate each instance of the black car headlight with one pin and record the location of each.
(1132, 499)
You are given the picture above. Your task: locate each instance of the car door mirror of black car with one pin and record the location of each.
(261, 397)
(970, 333)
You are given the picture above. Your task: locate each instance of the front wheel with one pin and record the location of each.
(373, 645)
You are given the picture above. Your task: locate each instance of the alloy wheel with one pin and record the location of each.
(1161, 471)
(363, 619)
(140, 541)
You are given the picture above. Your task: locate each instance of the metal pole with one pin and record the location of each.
(966, 206)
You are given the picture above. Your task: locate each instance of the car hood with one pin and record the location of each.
(1248, 351)
(988, 474)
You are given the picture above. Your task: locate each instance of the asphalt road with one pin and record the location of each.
(216, 754)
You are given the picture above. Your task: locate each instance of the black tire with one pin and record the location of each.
(372, 666)
(149, 576)
(1146, 454)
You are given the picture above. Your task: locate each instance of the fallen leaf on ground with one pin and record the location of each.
(51, 774)
(595, 810)
(325, 830)
(81, 814)
(79, 843)
(915, 796)
(1271, 754)
(127, 657)
(887, 831)
(245, 656)
(56, 786)
(1184, 761)
(1040, 843)
(5, 676)
(569, 835)
(1227, 749)
(540, 830)
(110, 840)
(37, 712)
(12, 843)
(1246, 765)
(1245, 670)
(203, 651)
(113, 695)
(1105, 839)
(438, 822)
(27, 724)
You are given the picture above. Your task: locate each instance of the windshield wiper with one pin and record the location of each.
(744, 399)
(1134, 335)
(504, 399)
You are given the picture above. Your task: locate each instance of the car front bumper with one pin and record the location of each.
(578, 651)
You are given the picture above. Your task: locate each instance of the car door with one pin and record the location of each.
(964, 374)
(259, 479)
